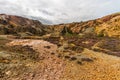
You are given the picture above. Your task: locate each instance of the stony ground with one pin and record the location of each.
(46, 66)
(27, 59)
(103, 67)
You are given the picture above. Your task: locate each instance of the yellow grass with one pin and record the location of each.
(104, 67)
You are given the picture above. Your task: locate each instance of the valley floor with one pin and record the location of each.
(25, 59)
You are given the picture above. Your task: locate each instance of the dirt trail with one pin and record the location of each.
(50, 68)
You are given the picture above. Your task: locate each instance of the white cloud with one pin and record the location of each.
(60, 11)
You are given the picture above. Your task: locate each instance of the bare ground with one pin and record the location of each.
(49, 65)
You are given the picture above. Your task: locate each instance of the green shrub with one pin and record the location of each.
(101, 34)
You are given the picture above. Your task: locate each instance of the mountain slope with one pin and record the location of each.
(10, 24)
(110, 28)
(105, 26)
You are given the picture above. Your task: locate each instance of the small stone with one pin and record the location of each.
(48, 47)
(73, 58)
(8, 72)
(52, 53)
(79, 62)
(67, 57)
(87, 59)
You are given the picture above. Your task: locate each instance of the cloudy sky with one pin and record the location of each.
(60, 11)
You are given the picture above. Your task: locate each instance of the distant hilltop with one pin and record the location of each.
(10, 24)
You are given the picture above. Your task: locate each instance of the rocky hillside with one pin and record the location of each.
(16, 25)
(105, 26)
(110, 28)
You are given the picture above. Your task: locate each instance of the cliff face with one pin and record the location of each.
(10, 24)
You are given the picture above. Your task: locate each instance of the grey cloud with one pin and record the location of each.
(59, 11)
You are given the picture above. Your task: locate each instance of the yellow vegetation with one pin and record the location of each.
(110, 28)
(104, 67)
